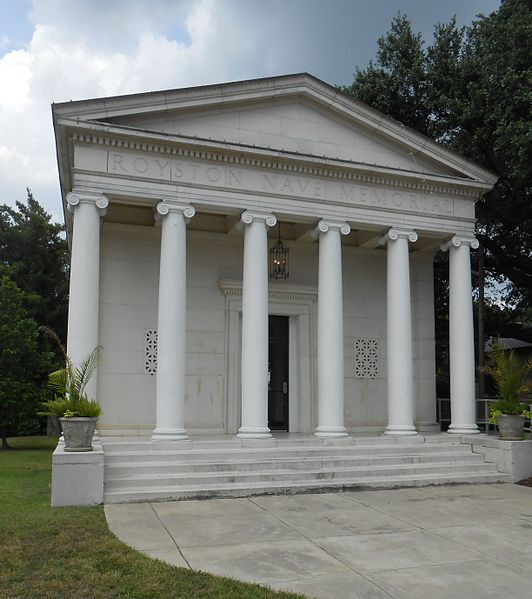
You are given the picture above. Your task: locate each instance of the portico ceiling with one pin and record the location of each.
(224, 223)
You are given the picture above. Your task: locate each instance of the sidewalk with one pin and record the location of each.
(447, 542)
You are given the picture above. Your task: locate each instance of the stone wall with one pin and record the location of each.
(128, 323)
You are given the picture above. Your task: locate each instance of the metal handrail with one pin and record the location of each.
(484, 421)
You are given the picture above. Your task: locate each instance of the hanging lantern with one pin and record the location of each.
(279, 259)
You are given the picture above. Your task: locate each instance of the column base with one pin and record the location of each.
(399, 430)
(463, 429)
(170, 435)
(330, 431)
(253, 433)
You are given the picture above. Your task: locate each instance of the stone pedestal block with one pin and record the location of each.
(77, 478)
(512, 457)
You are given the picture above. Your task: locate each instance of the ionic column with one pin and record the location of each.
(171, 324)
(255, 326)
(399, 333)
(330, 330)
(461, 336)
(84, 299)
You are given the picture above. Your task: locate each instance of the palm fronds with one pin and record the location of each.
(81, 375)
(54, 407)
(69, 384)
(509, 373)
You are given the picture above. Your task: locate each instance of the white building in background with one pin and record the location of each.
(173, 200)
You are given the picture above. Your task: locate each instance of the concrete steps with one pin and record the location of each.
(144, 452)
(117, 469)
(136, 471)
(171, 493)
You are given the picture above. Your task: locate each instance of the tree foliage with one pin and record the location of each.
(471, 89)
(34, 291)
(23, 366)
(34, 254)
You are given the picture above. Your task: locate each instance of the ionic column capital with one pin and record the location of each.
(459, 240)
(75, 198)
(167, 206)
(395, 233)
(250, 216)
(334, 225)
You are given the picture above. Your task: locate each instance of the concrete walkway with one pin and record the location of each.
(450, 542)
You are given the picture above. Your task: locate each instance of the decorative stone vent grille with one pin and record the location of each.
(150, 352)
(366, 358)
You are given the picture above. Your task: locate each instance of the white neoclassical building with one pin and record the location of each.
(173, 200)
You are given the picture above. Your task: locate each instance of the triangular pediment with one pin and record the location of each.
(294, 126)
(297, 116)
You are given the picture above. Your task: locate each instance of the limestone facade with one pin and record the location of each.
(173, 200)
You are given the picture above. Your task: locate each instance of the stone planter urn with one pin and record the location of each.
(511, 427)
(78, 432)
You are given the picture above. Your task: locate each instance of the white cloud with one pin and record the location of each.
(59, 64)
(15, 75)
(111, 25)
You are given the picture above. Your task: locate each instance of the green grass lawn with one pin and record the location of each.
(70, 552)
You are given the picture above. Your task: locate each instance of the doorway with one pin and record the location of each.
(278, 346)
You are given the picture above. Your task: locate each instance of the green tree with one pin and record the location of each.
(34, 254)
(396, 82)
(23, 367)
(471, 89)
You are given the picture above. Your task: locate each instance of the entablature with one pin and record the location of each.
(125, 190)
(215, 151)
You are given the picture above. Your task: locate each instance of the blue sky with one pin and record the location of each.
(56, 50)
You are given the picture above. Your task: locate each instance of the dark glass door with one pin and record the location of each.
(278, 373)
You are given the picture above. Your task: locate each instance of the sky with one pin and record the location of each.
(59, 50)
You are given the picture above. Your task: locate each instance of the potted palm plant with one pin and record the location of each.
(510, 375)
(77, 413)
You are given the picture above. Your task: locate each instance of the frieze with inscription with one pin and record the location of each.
(254, 180)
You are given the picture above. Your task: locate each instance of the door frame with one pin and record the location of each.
(298, 302)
